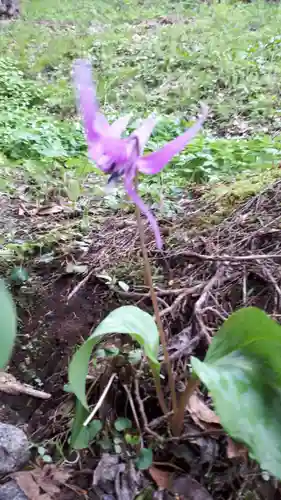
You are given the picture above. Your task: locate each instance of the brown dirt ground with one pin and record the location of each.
(51, 327)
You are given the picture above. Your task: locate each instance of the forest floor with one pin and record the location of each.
(71, 254)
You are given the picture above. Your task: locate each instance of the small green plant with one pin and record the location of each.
(127, 320)
(8, 324)
(242, 371)
(246, 401)
(43, 454)
(144, 460)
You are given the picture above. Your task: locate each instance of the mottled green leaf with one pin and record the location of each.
(129, 320)
(8, 325)
(242, 371)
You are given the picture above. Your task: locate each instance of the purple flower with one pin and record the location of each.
(124, 156)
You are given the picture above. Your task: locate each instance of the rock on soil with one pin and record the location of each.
(14, 448)
(9, 8)
(11, 491)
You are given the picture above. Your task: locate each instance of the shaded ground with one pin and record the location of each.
(197, 287)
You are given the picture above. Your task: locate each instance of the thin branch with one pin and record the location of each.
(143, 414)
(202, 299)
(273, 281)
(170, 309)
(214, 311)
(131, 401)
(138, 295)
(10, 385)
(230, 258)
(100, 401)
(139, 401)
(80, 284)
(159, 420)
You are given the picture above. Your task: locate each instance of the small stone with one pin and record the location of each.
(11, 491)
(14, 448)
(9, 8)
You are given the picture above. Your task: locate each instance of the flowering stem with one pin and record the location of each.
(154, 301)
(178, 416)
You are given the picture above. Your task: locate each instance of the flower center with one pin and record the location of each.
(117, 169)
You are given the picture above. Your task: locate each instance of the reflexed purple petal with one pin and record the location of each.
(119, 126)
(143, 208)
(86, 97)
(96, 152)
(154, 162)
(144, 132)
(103, 145)
(101, 125)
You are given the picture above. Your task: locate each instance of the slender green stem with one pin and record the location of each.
(154, 301)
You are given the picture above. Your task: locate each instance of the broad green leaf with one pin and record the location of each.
(122, 423)
(82, 440)
(82, 436)
(129, 320)
(67, 388)
(248, 403)
(144, 459)
(8, 325)
(94, 428)
(252, 332)
(80, 416)
(73, 189)
(242, 371)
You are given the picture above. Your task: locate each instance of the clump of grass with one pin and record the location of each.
(228, 194)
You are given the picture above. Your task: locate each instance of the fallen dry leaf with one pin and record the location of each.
(188, 488)
(47, 484)
(162, 478)
(201, 413)
(112, 474)
(50, 210)
(59, 474)
(21, 211)
(236, 450)
(47, 480)
(209, 449)
(10, 385)
(28, 485)
(25, 210)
